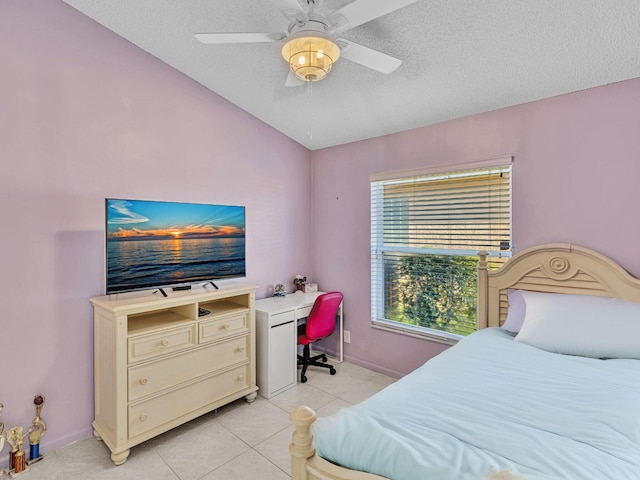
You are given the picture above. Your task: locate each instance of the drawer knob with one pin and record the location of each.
(143, 417)
(240, 378)
(225, 326)
(143, 380)
(165, 342)
(240, 349)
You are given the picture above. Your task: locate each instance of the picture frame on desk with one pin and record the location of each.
(310, 288)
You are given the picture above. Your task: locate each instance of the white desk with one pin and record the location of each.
(277, 319)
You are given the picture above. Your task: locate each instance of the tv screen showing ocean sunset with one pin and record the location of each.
(155, 244)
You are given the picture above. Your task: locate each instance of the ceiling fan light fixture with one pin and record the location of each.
(310, 57)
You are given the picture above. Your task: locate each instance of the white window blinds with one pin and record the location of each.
(425, 234)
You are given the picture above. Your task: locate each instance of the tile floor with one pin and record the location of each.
(239, 441)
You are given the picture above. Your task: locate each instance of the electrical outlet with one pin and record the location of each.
(347, 336)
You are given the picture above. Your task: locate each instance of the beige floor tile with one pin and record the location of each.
(143, 462)
(49, 468)
(248, 466)
(340, 383)
(302, 394)
(332, 407)
(198, 452)
(355, 370)
(80, 458)
(276, 449)
(255, 422)
(364, 390)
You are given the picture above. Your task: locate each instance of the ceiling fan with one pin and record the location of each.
(312, 43)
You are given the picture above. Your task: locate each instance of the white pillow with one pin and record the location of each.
(582, 325)
(516, 312)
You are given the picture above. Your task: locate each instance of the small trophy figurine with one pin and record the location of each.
(37, 429)
(1, 429)
(17, 461)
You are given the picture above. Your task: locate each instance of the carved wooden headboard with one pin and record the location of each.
(553, 268)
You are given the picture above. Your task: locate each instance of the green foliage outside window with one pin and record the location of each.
(433, 291)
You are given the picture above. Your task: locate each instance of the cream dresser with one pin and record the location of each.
(158, 363)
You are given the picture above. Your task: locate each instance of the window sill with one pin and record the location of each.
(417, 332)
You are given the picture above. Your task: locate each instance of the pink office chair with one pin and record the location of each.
(320, 324)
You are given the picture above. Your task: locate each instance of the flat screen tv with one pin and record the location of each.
(152, 244)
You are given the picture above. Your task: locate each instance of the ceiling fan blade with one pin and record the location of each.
(291, 9)
(210, 38)
(287, 4)
(368, 57)
(292, 80)
(363, 11)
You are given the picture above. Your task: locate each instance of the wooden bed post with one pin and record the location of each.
(483, 284)
(301, 446)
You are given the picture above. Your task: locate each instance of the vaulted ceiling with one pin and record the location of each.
(458, 57)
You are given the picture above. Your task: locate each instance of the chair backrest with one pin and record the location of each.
(322, 318)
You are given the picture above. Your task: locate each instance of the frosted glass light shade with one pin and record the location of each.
(310, 57)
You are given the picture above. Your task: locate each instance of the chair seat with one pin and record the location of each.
(303, 340)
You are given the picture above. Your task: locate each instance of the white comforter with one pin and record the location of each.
(490, 402)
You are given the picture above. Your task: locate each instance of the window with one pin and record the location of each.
(426, 231)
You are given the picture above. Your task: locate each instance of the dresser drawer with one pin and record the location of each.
(220, 327)
(157, 411)
(142, 347)
(152, 377)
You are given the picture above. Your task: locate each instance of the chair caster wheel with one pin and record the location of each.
(332, 371)
(324, 358)
(303, 379)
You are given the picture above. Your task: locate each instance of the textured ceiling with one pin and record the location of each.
(459, 58)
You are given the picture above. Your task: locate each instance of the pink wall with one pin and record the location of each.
(575, 179)
(85, 115)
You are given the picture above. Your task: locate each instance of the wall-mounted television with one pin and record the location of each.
(152, 244)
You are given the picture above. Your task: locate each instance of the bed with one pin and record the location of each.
(560, 399)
